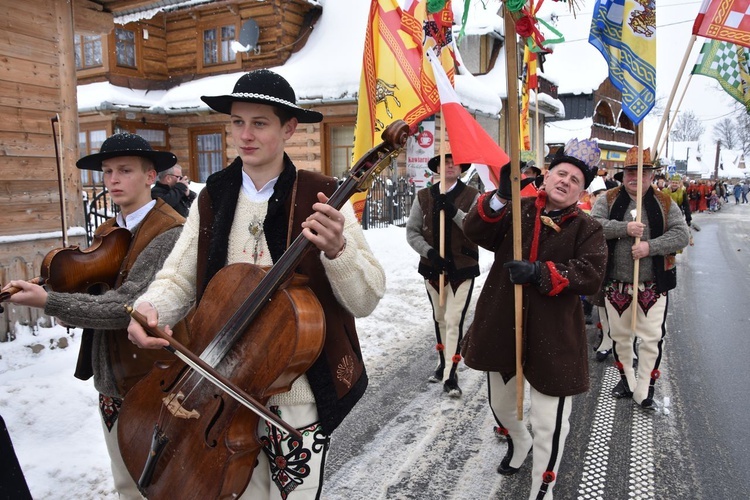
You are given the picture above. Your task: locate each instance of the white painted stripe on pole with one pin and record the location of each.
(594, 475)
(641, 474)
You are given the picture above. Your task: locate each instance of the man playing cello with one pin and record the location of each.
(252, 209)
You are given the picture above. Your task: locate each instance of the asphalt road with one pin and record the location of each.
(406, 440)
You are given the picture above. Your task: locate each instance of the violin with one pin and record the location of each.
(204, 443)
(93, 270)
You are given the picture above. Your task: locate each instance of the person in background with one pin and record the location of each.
(745, 190)
(737, 192)
(460, 264)
(604, 346)
(250, 212)
(129, 166)
(662, 232)
(564, 257)
(678, 193)
(713, 202)
(173, 188)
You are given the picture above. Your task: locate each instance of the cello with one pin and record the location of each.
(204, 443)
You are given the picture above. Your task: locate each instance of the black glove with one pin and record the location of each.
(523, 271)
(438, 263)
(442, 203)
(504, 189)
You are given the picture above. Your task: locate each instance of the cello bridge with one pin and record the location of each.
(173, 402)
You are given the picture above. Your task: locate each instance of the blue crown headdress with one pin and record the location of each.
(584, 154)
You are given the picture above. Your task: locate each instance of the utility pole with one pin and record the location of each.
(716, 163)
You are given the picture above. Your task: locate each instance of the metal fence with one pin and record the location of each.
(388, 202)
(97, 208)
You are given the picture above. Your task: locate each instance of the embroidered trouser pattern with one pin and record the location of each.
(109, 411)
(651, 317)
(288, 468)
(550, 420)
(449, 323)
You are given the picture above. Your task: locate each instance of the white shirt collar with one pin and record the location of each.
(132, 220)
(257, 195)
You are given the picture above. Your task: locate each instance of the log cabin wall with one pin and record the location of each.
(37, 83)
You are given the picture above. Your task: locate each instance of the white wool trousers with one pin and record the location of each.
(449, 323)
(650, 328)
(549, 417)
(606, 343)
(125, 485)
(286, 465)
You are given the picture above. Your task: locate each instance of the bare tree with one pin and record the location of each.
(725, 133)
(742, 128)
(687, 127)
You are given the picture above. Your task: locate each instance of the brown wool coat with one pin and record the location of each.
(555, 350)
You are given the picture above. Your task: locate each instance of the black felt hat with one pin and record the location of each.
(265, 87)
(127, 144)
(434, 163)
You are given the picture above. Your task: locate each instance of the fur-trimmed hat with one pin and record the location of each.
(584, 154)
(265, 87)
(127, 144)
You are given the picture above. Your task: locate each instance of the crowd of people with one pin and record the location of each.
(579, 239)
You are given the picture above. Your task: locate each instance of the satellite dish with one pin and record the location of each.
(249, 34)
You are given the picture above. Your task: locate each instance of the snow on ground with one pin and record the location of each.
(53, 418)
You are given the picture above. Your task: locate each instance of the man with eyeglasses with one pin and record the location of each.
(172, 187)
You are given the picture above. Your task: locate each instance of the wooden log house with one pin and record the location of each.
(49, 51)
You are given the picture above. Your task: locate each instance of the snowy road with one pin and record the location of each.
(406, 440)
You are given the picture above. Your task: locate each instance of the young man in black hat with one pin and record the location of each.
(662, 232)
(250, 212)
(564, 254)
(129, 166)
(460, 264)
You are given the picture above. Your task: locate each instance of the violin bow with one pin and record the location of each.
(205, 370)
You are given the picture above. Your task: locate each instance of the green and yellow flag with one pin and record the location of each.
(727, 63)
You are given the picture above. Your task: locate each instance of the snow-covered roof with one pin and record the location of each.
(574, 65)
(327, 68)
(560, 132)
(703, 163)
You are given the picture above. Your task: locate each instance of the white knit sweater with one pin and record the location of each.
(357, 279)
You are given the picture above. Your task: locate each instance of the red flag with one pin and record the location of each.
(727, 20)
(469, 141)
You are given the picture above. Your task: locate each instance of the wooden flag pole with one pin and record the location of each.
(636, 263)
(538, 135)
(671, 124)
(671, 95)
(511, 115)
(441, 290)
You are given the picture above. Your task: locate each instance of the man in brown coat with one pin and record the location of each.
(564, 257)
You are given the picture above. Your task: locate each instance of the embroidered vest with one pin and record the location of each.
(337, 378)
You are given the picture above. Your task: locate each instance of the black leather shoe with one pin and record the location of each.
(451, 387)
(648, 404)
(603, 355)
(505, 469)
(621, 391)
